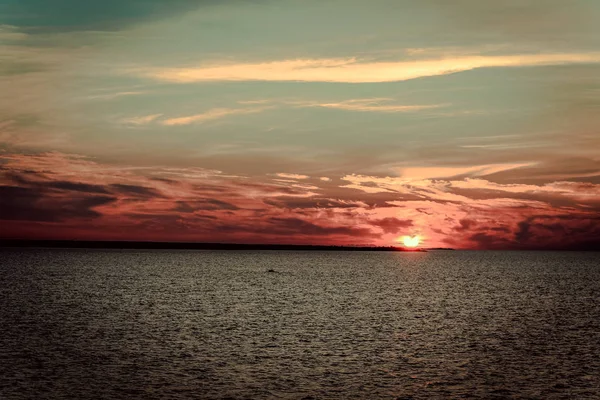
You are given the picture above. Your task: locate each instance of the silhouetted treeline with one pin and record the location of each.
(79, 244)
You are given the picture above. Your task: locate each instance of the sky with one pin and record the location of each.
(472, 124)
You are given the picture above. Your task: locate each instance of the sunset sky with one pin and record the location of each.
(473, 124)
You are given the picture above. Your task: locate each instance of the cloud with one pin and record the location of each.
(350, 70)
(134, 190)
(478, 192)
(374, 105)
(141, 120)
(210, 115)
(292, 176)
(365, 188)
(192, 206)
(392, 225)
(558, 232)
(35, 204)
(300, 226)
(69, 196)
(314, 202)
(77, 187)
(580, 191)
(419, 173)
(111, 96)
(124, 202)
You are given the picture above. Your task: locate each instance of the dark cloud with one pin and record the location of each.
(134, 190)
(285, 230)
(164, 180)
(464, 225)
(211, 188)
(523, 234)
(14, 200)
(36, 197)
(486, 241)
(541, 232)
(30, 204)
(558, 233)
(311, 202)
(392, 225)
(44, 183)
(77, 187)
(266, 188)
(299, 226)
(78, 15)
(20, 178)
(424, 211)
(204, 205)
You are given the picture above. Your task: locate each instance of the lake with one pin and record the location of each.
(143, 324)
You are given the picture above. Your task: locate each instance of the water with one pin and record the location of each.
(82, 324)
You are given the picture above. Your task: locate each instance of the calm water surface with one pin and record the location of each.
(79, 324)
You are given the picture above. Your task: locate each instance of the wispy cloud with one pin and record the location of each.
(110, 96)
(582, 191)
(375, 105)
(292, 176)
(141, 120)
(418, 173)
(258, 101)
(210, 115)
(351, 70)
(454, 190)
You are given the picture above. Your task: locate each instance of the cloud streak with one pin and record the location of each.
(418, 173)
(146, 119)
(350, 70)
(291, 176)
(375, 105)
(211, 115)
(359, 105)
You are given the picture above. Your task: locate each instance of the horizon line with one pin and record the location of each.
(178, 245)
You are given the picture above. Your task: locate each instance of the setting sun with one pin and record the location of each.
(409, 241)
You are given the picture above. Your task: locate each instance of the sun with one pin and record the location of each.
(411, 241)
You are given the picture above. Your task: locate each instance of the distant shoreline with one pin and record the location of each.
(137, 245)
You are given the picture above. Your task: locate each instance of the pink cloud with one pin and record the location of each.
(54, 195)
